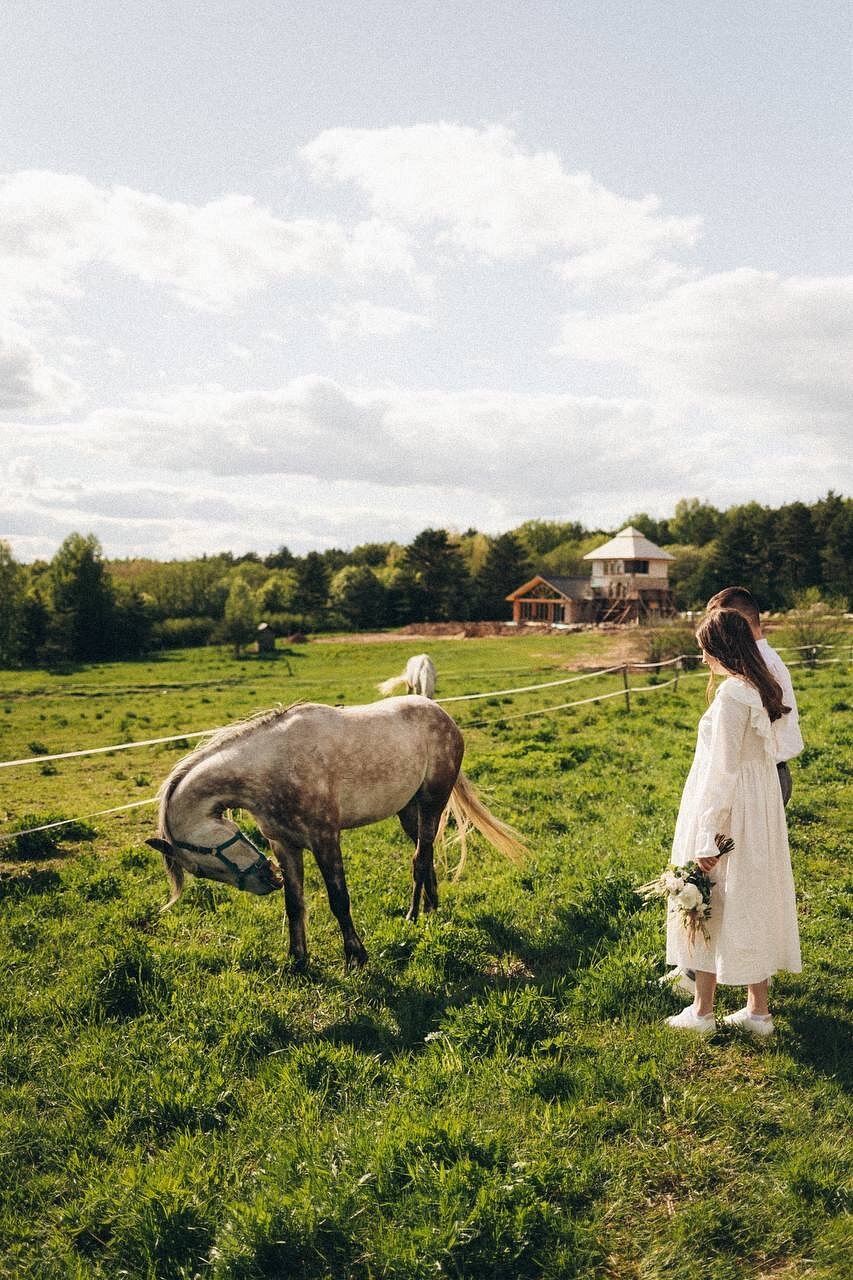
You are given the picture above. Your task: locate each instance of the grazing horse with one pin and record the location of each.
(419, 677)
(305, 773)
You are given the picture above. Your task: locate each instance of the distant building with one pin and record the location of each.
(265, 638)
(629, 583)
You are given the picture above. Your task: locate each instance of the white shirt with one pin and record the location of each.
(789, 740)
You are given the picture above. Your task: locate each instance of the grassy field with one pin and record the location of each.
(495, 1095)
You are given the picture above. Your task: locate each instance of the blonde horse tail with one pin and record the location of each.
(468, 811)
(388, 685)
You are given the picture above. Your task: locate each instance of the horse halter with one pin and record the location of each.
(260, 863)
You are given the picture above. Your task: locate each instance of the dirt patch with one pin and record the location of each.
(625, 643)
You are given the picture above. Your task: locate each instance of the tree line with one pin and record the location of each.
(80, 606)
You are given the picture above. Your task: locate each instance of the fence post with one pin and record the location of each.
(625, 683)
(677, 669)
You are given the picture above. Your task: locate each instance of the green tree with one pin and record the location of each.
(402, 599)
(83, 608)
(441, 582)
(655, 530)
(277, 593)
(505, 567)
(134, 621)
(833, 519)
(357, 593)
(743, 554)
(374, 554)
(541, 536)
(796, 549)
(695, 523)
(240, 618)
(312, 584)
(693, 575)
(186, 588)
(12, 595)
(281, 559)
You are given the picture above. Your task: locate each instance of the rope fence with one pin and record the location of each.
(625, 692)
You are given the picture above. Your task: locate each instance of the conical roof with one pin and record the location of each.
(629, 544)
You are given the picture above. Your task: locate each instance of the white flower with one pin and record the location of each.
(689, 897)
(672, 883)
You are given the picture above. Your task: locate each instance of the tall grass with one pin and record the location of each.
(495, 1095)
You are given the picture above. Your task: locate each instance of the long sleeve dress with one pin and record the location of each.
(733, 789)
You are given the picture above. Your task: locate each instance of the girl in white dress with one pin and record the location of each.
(733, 790)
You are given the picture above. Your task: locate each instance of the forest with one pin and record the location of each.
(80, 606)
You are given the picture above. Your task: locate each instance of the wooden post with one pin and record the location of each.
(625, 682)
(677, 669)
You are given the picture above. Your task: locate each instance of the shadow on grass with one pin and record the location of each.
(482, 960)
(823, 1040)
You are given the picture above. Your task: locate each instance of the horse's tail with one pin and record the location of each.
(468, 810)
(388, 685)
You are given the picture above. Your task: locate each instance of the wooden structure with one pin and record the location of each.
(629, 582)
(265, 638)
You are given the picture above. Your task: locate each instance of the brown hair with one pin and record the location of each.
(740, 598)
(725, 634)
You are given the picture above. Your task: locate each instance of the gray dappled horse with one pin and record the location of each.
(306, 773)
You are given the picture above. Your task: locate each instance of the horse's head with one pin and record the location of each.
(243, 865)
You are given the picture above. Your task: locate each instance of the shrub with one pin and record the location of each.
(670, 641)
(184, 633)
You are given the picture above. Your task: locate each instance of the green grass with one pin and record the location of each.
(495, 1095)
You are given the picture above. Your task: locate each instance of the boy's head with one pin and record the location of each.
(741, 599)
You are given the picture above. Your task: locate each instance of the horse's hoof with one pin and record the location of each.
(357, 960)
(412, 916)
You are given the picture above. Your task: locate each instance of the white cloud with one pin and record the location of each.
(54, 225)
(503, 442)
(488, 196)
(29, 385)
(772, 351)
(364, 319)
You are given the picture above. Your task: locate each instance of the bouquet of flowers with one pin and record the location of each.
(689, 889)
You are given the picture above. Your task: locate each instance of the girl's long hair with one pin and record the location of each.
(726, 635)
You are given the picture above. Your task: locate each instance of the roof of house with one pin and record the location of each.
(629, 544)
(571, 588)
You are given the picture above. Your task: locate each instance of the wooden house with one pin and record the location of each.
(629, 582)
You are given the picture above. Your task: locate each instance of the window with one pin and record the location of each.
(636, 566)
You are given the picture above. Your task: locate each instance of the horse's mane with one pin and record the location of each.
(208, 746)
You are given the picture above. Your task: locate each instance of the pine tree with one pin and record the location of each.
(506, 567)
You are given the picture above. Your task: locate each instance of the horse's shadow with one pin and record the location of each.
(572, 941)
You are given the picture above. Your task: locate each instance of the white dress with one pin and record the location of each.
(733, 788)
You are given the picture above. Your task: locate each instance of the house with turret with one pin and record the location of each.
(629, 582)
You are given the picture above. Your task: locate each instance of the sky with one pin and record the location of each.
(318, 274)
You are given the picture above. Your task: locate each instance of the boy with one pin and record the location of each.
(789, 740)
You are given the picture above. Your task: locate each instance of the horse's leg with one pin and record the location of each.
(409, 822)
(423, 866)
(327, 851)
(291, 861)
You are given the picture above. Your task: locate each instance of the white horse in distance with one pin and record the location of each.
(419, 677)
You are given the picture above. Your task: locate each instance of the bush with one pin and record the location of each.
(184, 633)
(670, 641)
(816, 625)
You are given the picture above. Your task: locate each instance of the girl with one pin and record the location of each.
(732, 789)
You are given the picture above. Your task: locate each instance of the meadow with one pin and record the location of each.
(495, 1095)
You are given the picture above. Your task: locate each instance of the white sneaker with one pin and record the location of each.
(678, 980)
(754, 1024)
(687, 1020)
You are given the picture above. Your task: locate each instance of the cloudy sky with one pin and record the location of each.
(319, 273)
